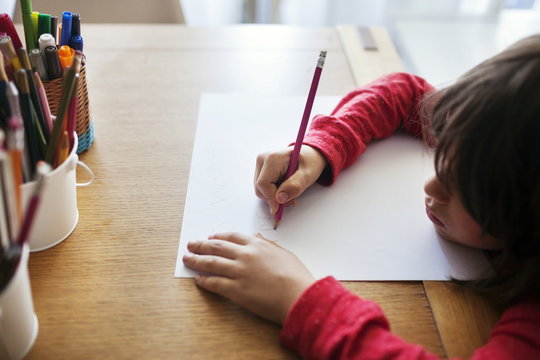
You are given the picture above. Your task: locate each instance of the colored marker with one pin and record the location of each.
(6, 25)
(38, 63)
(54, 27)
(35, 16)
(28, 23)
(66, 28)
(75, 24)
(65, 55)
(54, 70)
(46, 40)
(44, 24)
(302, 131)
(77, 43)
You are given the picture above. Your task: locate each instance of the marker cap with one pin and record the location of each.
(54, 69)
(66, 28)
(75, 24)
(77, 42)
(46, 40)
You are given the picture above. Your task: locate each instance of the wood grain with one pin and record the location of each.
(368, 65)
(463, 318)
(108, 291)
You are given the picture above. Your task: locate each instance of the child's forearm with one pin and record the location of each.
(371, 112)
(329, 322)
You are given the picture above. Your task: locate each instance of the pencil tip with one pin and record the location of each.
(276, 223)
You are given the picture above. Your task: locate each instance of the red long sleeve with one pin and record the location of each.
(329, 322)
(372, 112)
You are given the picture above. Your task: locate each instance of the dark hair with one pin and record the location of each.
(487, 130)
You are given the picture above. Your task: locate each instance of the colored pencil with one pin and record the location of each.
(68, 85)
(29, 120)
(302, 131)
(42, 170)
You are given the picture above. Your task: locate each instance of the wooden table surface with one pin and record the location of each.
(108, 291)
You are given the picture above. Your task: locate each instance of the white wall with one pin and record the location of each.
(8, 7)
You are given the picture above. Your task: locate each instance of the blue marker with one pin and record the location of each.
(76, 42)
(66, 28)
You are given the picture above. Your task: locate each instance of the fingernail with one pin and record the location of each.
(282, 197)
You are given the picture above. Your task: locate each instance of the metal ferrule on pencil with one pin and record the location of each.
(322, 58)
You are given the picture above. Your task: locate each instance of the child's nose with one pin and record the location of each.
(435, 190)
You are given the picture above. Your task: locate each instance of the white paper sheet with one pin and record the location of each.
(370, 225)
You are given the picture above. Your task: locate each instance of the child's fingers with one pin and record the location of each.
(216, 247)
(211, 264)
(215, 284)
(234, 237)
(293, 187)
(268, 174)
(260, 236)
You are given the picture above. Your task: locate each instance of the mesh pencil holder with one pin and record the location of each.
(85, 125)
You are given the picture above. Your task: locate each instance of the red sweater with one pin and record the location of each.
(329, 322)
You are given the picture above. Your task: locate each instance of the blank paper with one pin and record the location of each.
(369, 225)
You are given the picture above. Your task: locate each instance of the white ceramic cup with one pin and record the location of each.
(57, 214)
(18, 322)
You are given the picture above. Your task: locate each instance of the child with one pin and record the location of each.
(486, 194)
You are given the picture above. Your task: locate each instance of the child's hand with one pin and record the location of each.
(272, 167)
(251, 271)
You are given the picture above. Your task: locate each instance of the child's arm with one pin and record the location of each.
(329, 322)
(374, 111)
(334, 142)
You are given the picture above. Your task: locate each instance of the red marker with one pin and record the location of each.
(6, 25)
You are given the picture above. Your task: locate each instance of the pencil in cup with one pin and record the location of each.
(303, 126)
(83, 123)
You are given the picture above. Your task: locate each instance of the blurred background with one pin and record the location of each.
(436, 39)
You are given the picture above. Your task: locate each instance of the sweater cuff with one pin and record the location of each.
(323, 308)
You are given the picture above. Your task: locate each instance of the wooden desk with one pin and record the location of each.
(109, 291)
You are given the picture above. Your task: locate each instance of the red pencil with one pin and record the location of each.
(302, 131)
(42, 169)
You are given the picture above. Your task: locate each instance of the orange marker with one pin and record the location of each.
(65, 55)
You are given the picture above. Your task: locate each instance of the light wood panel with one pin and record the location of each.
(368, 65)
(464, 319)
